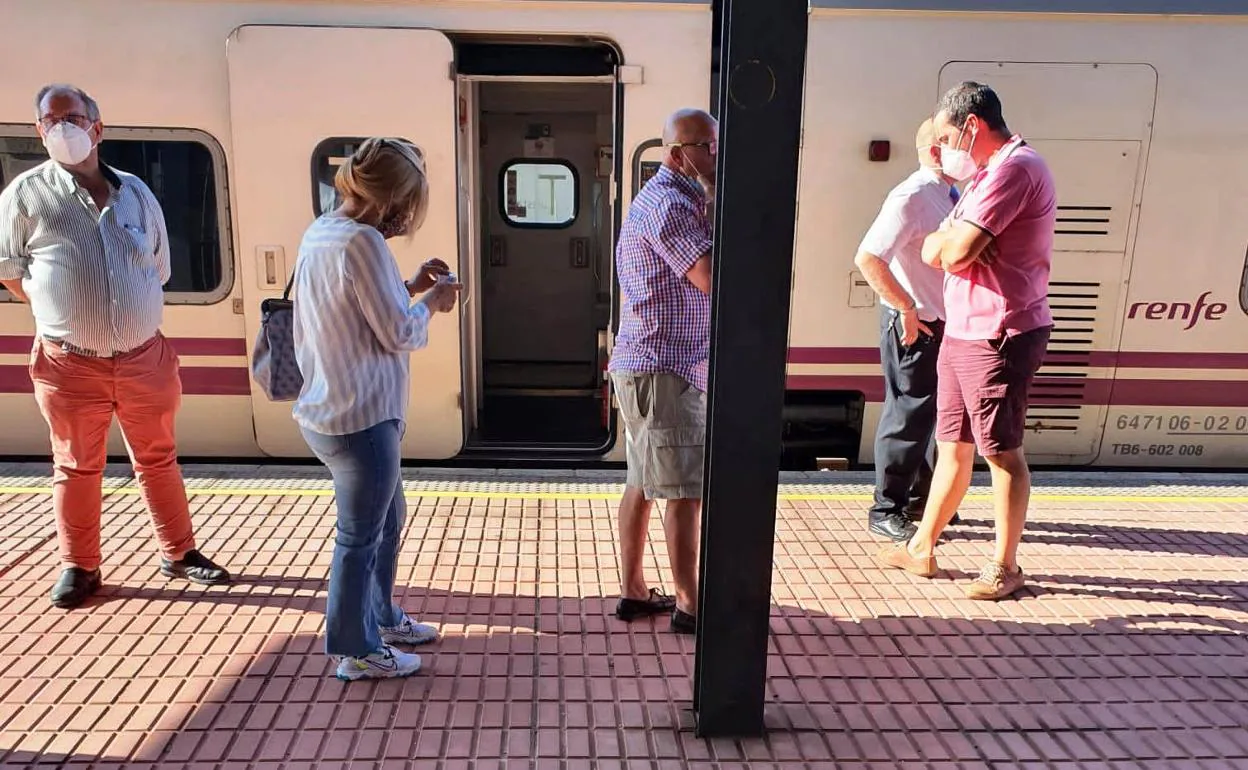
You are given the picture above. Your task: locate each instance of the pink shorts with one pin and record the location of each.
(983, 388)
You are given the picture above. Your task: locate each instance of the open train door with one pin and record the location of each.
(295, 115)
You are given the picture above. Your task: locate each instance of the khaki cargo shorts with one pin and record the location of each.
(665, 428)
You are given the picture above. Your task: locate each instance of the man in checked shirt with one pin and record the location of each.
(659, 364)
(85, 245)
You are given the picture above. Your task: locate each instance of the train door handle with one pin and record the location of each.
(270, 267)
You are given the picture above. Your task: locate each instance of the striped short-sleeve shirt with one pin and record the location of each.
(94, 277)
(355, 327)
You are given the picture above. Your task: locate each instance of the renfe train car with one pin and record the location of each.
(541, 120)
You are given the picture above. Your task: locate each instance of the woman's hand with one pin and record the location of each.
(428, 275)
(441, 298)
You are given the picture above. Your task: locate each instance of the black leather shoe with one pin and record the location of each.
(684, 623)
(632, 609)
(895, 527)
(915, 513)
(74, 587)
(195, 567)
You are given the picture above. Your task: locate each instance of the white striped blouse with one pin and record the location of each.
(93, 277)
(355, 325)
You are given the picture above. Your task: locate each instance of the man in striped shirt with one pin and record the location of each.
(659, 366)
(85, 245)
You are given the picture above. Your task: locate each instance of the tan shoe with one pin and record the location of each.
(899, 557)
(995, 583)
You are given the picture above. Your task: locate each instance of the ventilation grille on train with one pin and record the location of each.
(1058, 394)
(1083, 220)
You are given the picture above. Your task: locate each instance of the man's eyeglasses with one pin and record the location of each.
(711, 147)
(48, 121)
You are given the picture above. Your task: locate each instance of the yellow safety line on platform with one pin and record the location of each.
(790, 497)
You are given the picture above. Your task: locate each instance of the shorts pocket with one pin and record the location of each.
(676, 459)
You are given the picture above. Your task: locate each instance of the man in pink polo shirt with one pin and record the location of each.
(996, 251)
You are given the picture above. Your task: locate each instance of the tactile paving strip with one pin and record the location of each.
(281, 478)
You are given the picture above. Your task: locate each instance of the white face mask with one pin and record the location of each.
(68, 144)
(956, 164)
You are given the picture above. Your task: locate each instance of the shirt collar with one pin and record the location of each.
(1006, 150)
(63, 174)
(681, 182)
(934, 175)
(997, 159)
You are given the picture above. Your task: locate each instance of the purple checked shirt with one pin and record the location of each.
(665, 321)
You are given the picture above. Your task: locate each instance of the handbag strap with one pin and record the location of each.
(289, 283)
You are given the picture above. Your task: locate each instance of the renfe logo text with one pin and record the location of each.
(1180, 311)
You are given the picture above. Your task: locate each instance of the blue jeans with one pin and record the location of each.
(368, 489)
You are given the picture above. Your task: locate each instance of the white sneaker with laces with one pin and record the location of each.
(386, 663)
(409, 631)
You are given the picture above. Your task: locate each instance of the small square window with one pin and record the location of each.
(327, 158)
(539, 193)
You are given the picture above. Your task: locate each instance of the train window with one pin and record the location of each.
(328, 156)
(184, 169)
(540, 194)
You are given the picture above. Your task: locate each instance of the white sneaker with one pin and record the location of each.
(386, 663)
(409, 631)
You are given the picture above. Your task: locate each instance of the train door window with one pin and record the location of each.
(539, 194)
(184, 170)
(327, 158)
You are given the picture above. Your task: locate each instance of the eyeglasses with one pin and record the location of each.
(82, 121)
(711, 147)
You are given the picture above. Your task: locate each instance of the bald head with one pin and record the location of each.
(925, 143)
(926, 135)
(692, 140)
(689, 126)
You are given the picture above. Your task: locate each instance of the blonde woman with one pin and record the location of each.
(355, 326)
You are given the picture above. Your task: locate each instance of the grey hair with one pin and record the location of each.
(93, 107)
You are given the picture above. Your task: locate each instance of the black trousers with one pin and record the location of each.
(905, 441)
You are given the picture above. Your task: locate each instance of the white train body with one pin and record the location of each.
(540, 121)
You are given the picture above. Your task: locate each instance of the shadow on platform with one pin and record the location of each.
(539, 680)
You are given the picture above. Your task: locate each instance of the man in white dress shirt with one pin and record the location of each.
(911, 327)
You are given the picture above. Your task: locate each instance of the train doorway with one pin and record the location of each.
(537, 164)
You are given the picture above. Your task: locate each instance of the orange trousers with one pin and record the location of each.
(78, 396)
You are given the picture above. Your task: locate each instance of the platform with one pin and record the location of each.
(1128, 650)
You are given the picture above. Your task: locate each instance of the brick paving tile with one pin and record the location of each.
(1125, 651)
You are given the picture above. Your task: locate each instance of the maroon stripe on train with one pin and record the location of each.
(235, 381)
(1047, 390)
(1099, 358)
(186, 346)
(235, 346)
(196, 380)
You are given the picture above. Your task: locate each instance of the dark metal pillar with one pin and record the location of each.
(762, 66)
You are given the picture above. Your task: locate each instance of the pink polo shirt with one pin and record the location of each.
(1015, 200)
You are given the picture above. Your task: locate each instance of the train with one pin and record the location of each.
(541, 119)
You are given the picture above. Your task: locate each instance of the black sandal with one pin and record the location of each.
(631, 609)
(684, 623)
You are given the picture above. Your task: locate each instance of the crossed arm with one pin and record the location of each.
(955, 246)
